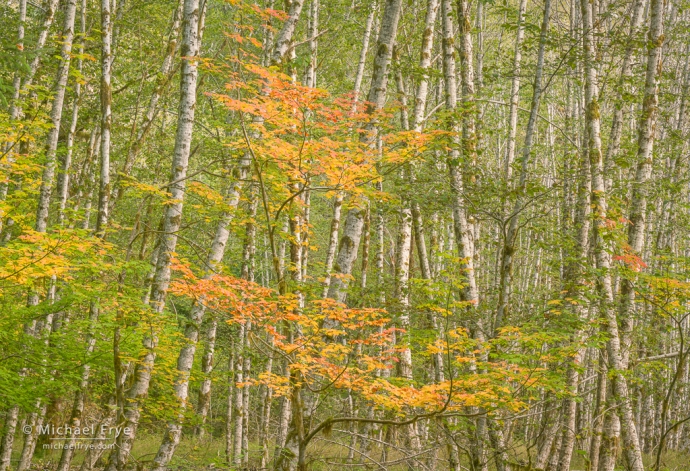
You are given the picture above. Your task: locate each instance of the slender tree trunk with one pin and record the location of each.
(515, 91)
(354, 222)
(131, 410)
(313, 31)
(204, 401)
(43, 327)
(621, 89)
(56, 118)
(64, 177)
(108, 10)
(602, 255)
(238, 401)
(332, 240)
(464, 234)
(166, 71)
(229, 443)
(185, 359)
(265, 420)
(598, 419)
(80, 396)
(363, 55)
(510, 236)
(647, 128)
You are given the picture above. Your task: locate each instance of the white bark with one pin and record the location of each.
(171, 224)
(204, 401)
(363, 55)
(601, 251)
(332, 240)
(402, 288)
(64, 177)
(354, 221)
(621, 88)
(284, 38)
(185, 359)
(11, 419)
(80, 395)
(645, 145)
(462, 229)
(424, 64)
(313, 32)
(108, 10)
(510, 236)
(515, 90)
(56, 118)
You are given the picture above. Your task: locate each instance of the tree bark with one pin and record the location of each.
(131, 410)
(185, 359)
(354, 222)
(601, 251)
(56, 118)
(108, 10)
(515, 90)
(363, 55)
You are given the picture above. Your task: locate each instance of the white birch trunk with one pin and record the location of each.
(622, 87)
(510, 237)
(171, 223)
(185, 359)
(647, 128)
(332, 241)
(64, 177)
(204, 401)
(56, 118)
(515, 90)
(108, 10)
(462, 229)
(354, 222)
(313, 31)
(601, 252)
(284, 38)
(359, 76)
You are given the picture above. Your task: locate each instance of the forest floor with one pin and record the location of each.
(209, 453)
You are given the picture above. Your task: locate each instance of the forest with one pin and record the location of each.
(382, 235)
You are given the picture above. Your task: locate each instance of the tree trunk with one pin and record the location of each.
(515, 91)
(166, 71)
(56, 118)
(80, 396)
(131, 410)
(185, 359)
(602, 254)
(108, 10)
(510, 236)
(363, 55)
(354, 222)
(284, 38)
